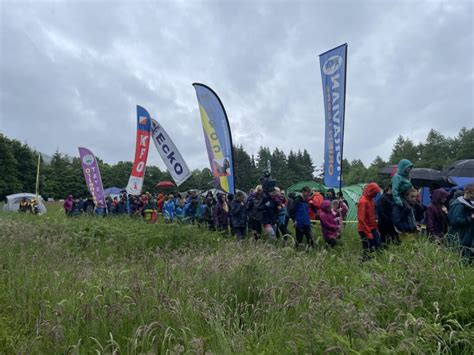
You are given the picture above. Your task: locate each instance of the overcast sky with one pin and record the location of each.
(72, 72)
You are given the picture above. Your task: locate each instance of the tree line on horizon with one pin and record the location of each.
(63, 175)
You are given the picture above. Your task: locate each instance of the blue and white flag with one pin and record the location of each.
(333, 73)
(171, 156)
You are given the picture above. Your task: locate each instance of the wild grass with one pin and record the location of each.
(122, 286)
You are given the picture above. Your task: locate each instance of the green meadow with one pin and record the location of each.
(119, 285)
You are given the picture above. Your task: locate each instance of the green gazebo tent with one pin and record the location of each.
(351, 194)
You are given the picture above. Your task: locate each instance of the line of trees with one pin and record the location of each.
(435, 152)
(63, 175)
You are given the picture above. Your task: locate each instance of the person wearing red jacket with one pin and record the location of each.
(367, 220)
(160, 201)
(314, 204)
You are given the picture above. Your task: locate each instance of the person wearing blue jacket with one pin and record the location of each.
(169, 209)
(300, 215)
(461, 220)
(180, 211)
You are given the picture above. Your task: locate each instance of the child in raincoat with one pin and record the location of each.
(401, 182)
(169, 209)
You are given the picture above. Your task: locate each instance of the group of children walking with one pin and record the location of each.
(393, 216)
(397, 215)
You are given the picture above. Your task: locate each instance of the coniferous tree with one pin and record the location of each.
(293, 168)
(435, 152)
(464, 144)
(373, 172)
(244, 177)
(27, 160)
(264, 155)
(357, 174)
(307, 166)
(280, 168)
(404, 149)
(10, 181)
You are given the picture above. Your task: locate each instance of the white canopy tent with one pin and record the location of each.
(12, 203)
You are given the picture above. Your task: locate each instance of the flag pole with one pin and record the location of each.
(37, 176)
(343, 120)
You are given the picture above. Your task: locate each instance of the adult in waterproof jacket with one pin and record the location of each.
(400, 181)
(404, 215)
(238, 214)
(208, 213)
(461, 219)
(367, 219)
(221, 214)
(68, 204)
(254, 213)
(300, 215)
(385, 205)
(436, 215)
(314, 203)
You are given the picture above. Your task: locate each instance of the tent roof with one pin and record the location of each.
(312, 184)
(22, 195)
(13, 201)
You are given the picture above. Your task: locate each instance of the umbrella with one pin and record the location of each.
(165, 184)
(389, 170)
(460, 172)
(113, 191)
(216, 191)
(423, 177)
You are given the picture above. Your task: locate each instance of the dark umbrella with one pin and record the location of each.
(388, 170)
(424, 177)
(459, 169)
(165, 184)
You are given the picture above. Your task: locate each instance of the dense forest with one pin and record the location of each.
(63, 174)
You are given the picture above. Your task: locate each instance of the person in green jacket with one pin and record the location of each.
(400, 181)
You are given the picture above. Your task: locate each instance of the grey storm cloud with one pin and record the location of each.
(73, 72)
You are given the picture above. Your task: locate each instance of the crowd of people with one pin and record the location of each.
(260, 213)
(386, 217)
(398, 215)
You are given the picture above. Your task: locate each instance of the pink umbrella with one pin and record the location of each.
(165, 184)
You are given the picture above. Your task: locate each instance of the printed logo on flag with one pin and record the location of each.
(88, 159)
(332, 64)
(142, 120)
(221, 167)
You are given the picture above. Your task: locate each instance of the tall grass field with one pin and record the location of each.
(118, 285)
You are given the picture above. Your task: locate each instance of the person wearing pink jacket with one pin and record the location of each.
(330, 225)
